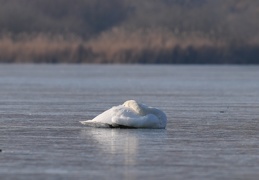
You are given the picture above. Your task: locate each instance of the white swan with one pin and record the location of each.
(130, 115)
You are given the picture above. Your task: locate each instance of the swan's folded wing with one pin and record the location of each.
(147, 121)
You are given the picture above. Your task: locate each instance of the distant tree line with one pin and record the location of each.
(129, 31)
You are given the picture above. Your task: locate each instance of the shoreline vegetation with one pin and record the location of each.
(129, 31)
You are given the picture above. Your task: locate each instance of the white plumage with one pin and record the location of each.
(131, 114)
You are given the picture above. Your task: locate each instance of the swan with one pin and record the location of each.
(130, 114)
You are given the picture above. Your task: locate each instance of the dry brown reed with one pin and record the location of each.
(40, 48)
(123, 46)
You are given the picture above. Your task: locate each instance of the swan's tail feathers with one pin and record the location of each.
(90, 123)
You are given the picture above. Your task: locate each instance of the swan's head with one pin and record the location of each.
(135, 106)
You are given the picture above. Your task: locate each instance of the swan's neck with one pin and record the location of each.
(158, 113)
(142, 110)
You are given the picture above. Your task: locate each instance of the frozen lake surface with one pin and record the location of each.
(212, 132)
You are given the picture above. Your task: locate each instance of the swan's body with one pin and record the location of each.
(130, 115)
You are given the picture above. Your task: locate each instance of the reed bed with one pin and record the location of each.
(123, 46)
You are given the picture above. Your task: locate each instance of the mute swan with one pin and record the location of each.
(130, 114)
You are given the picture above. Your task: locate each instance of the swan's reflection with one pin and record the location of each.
(115, 141)
(124, 142)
